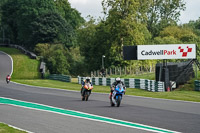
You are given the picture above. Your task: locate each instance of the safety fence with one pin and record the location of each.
(30, 54)
(149, 85)
(60, 77)
(138, 70)
(197, 85)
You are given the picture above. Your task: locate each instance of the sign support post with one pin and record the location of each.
(166, 73)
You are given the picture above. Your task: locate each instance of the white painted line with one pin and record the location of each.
(17, 128)
(11, 62)
(91, 118)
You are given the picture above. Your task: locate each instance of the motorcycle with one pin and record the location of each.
(7, 80)
(117, 95)
(86, 91)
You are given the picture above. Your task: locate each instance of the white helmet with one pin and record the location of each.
(87, 79)
(118, 80)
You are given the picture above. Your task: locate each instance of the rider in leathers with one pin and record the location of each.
(87, 80)
(114, 84)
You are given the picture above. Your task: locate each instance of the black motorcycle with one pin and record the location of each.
(8, 81)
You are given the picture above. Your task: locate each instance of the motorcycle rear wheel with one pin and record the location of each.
(111, 103)
(83, 98)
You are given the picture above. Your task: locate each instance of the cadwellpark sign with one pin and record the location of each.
(170, 51)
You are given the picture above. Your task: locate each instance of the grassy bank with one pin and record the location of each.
(175, 95)
(24, 67)
(6, 129)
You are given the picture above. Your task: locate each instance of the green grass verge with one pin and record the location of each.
(175, 95)
(24, 67)
(6, 129)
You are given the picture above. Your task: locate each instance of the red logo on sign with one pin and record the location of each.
(185, 53)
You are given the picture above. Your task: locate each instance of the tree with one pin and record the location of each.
(77, 63)
(71, 15)
(163, 13)
(176, 35)
(86, 40)
(51, 28)
(195, 25)
(56, 57)
(18, 15)
(9, 18)
(94, 40)
(57, 62)
(125, 19)
(40, 21)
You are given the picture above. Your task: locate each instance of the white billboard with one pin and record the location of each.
(170, 51)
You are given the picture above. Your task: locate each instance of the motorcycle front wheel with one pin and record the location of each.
(119, 101)
(87, 96)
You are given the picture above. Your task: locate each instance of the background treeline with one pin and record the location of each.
(71, 45)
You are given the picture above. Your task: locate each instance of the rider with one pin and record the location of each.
(114, 84)
(8, 77)
(87, 80)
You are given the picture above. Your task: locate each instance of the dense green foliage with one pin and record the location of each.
(163, 13)
(94, 42)
(55, 57)
(52, 28)
(30, 22)
(69, 45)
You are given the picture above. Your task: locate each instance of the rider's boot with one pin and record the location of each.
(110, 95)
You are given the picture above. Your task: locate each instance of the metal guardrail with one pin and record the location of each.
(197, 85)
(60, 77)
(30, 54)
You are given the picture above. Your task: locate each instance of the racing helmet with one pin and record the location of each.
(87, 79)
(118, 80)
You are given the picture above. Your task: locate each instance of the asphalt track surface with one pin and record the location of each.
(5, 65)
(168, 114)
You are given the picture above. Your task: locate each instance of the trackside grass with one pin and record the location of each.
(24, 67)
(175, 95)
(6, 129)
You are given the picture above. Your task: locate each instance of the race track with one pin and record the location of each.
(5, 65)
(166, 114)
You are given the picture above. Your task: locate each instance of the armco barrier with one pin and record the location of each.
(197, 85)
(60, 77)
(30, 54)
(149, 85)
